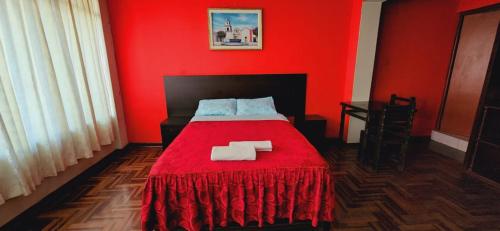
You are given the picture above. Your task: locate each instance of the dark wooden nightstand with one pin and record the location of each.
(314, 128)
(170, 128)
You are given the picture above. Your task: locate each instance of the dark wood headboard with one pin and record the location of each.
(288, 90)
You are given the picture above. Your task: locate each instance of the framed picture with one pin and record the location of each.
(235, 29)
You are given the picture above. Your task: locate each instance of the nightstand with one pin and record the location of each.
(314, 128)
(170, 128)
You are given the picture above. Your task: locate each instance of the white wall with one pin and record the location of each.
(365, 60)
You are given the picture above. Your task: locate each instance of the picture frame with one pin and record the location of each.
(235, 29)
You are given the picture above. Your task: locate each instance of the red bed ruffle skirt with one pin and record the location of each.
(214, 199)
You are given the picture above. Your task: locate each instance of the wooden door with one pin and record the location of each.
(484, 151)
(472, 57)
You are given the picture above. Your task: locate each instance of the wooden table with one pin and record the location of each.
(357, 109)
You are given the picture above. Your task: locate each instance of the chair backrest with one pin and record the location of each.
(396, 100)
(396, 116)
(397, 119)
(398, 113)
(393, 118)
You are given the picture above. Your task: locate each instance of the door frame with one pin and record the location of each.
(468, 156)
(453, 56)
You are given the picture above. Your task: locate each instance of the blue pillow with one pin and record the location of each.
(216, 107)
(260, 106)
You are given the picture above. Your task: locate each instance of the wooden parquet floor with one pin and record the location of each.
(434, 193)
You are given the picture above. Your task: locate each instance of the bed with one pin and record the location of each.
(292, 183)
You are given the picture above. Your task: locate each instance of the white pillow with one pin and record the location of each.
(259, 106)
(216, 107)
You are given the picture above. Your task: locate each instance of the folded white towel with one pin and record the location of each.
(260, 146)
(233, 152)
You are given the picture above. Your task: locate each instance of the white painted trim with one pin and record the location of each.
(450, 141)
(365, 61)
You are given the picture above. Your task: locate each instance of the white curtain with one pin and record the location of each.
(56, 99)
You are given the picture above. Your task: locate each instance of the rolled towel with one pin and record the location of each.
(260, 146)
(233, 152)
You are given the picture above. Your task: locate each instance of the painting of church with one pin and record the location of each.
(234, 29)
(236, 36)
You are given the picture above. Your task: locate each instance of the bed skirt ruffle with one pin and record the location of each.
(192, 201)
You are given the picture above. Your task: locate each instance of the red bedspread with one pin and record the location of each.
(186, 189)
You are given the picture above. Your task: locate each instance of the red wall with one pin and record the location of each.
(414, 50)
(474, 4)
(170, 37)
(415, 45)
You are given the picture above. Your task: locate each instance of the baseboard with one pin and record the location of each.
(21, 209)
(456, 142)
(447, 151)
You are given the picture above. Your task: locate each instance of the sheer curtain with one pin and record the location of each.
(56, 99)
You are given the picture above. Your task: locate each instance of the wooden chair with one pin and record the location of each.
(387, 133)
(396, 100)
